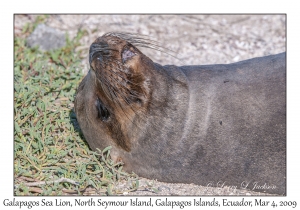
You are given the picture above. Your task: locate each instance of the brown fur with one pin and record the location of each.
(189, 124)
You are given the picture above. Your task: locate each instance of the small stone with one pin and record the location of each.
(236, 58)
(46, 38)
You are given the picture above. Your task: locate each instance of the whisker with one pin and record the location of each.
(138, 40)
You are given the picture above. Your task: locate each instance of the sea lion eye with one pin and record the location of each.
(103, 113)
(127, 54)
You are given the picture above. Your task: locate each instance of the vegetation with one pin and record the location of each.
(51, 156)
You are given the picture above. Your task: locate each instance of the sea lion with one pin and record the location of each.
(211, 125)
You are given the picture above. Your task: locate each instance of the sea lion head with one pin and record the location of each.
(121, 69)
(113, 98)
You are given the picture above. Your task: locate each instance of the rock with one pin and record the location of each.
(46, 38)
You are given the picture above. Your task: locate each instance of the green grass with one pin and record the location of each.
(48, 143)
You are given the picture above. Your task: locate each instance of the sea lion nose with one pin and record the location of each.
(98, 49)
(94, 48)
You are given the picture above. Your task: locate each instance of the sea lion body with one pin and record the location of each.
(207, 125)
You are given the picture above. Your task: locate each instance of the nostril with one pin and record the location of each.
(99, 50)
(99, 58)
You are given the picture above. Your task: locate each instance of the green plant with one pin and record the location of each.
(51, 156)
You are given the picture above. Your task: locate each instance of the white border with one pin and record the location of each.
(154, 6)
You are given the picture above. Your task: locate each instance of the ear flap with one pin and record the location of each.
(103, 113)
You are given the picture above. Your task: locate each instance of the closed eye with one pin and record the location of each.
(127, 54)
